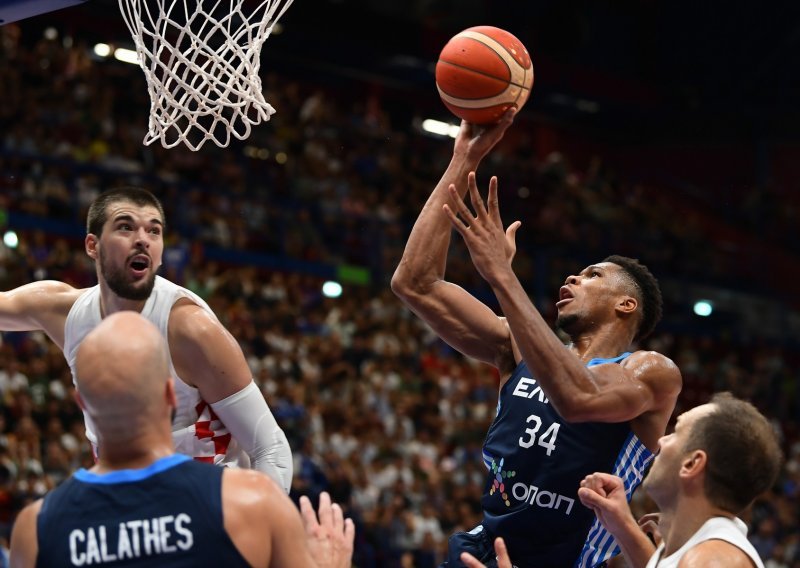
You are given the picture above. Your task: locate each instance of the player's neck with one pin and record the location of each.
(604, 342)
(678, 524)
(138, 454)
(110, 303)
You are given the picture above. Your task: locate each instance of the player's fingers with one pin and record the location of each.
(511, 233)
(349, 533)
(470, 561)
(475, 196)
(325, 510)
(590, 498)
(503, 560)
(460, 207)
(338, 519)
(309, 516)
(457, 223)
(493, 202)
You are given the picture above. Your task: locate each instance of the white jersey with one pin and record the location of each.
(733, 531)
(196, 430)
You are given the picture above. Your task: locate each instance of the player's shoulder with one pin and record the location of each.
(651, 361)
(656, 370)
(189, 319)
(247, 489)
(716, 553)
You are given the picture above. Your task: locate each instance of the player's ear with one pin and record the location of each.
(627, 305)
(172, 400)
(693, 464)
(90, 243)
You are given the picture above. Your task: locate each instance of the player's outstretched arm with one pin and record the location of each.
(24, 544)
(605, 495)
(460, 319)
(605, 393)
(42, 305)
(205, 353)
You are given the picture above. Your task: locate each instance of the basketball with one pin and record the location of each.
(483, 71)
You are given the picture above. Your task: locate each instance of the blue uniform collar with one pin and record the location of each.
(600, 360)
(131, 475)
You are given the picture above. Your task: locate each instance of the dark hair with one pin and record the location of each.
(647, 289)
(98, 210)
(744, 457)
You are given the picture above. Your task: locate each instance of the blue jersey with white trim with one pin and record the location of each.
(536, 462)
(167, 514)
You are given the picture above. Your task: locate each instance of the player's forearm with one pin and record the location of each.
(251, 423)
(563, 377)
(425, 256)
(636, 547)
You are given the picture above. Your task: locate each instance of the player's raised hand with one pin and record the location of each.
(492, 249)
(503, 561)
(330, 536)
(475, 141)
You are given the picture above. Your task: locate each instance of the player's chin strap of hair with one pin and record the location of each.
(252, 425)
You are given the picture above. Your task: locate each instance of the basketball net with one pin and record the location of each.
(201, 60)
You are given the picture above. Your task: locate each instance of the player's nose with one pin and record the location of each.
(571, 279)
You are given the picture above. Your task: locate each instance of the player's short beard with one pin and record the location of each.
(117, 280)
(569, 324)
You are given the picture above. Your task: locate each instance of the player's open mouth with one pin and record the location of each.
(565, 296)
(139, 265)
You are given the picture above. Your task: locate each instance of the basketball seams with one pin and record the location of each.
(503, 83)
(483, 71)
(516, 71)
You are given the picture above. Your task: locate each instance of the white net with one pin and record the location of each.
(201, 60)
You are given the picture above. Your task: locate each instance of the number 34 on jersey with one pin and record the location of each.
(527, 388)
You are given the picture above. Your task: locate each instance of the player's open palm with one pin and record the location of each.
(491, 247)
(330, 536)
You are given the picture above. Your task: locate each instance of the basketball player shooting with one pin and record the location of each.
(564, 411)
(221, 415)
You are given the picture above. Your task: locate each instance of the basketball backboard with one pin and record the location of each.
(14, 10)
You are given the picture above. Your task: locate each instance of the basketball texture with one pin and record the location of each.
(483, 71)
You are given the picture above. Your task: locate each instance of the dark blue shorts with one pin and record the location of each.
(480, 544)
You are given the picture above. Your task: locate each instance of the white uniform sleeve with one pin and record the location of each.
(251, 423)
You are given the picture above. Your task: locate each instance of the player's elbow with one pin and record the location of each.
(404, 285)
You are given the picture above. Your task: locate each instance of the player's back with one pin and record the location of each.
(168, 514)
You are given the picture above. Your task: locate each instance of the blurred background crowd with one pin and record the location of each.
(378, 411)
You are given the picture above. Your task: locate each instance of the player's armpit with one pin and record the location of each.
(716, 554)
(647, 381)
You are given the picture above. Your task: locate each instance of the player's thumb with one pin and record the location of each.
(511, 232)
(590, 498)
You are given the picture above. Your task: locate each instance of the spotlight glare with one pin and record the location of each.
(331, 289)
(703, 308)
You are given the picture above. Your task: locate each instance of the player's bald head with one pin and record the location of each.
(121, 369)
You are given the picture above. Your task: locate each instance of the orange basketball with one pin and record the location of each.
(482, 72)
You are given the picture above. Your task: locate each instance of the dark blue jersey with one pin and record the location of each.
(536, 462)
(168, 514)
